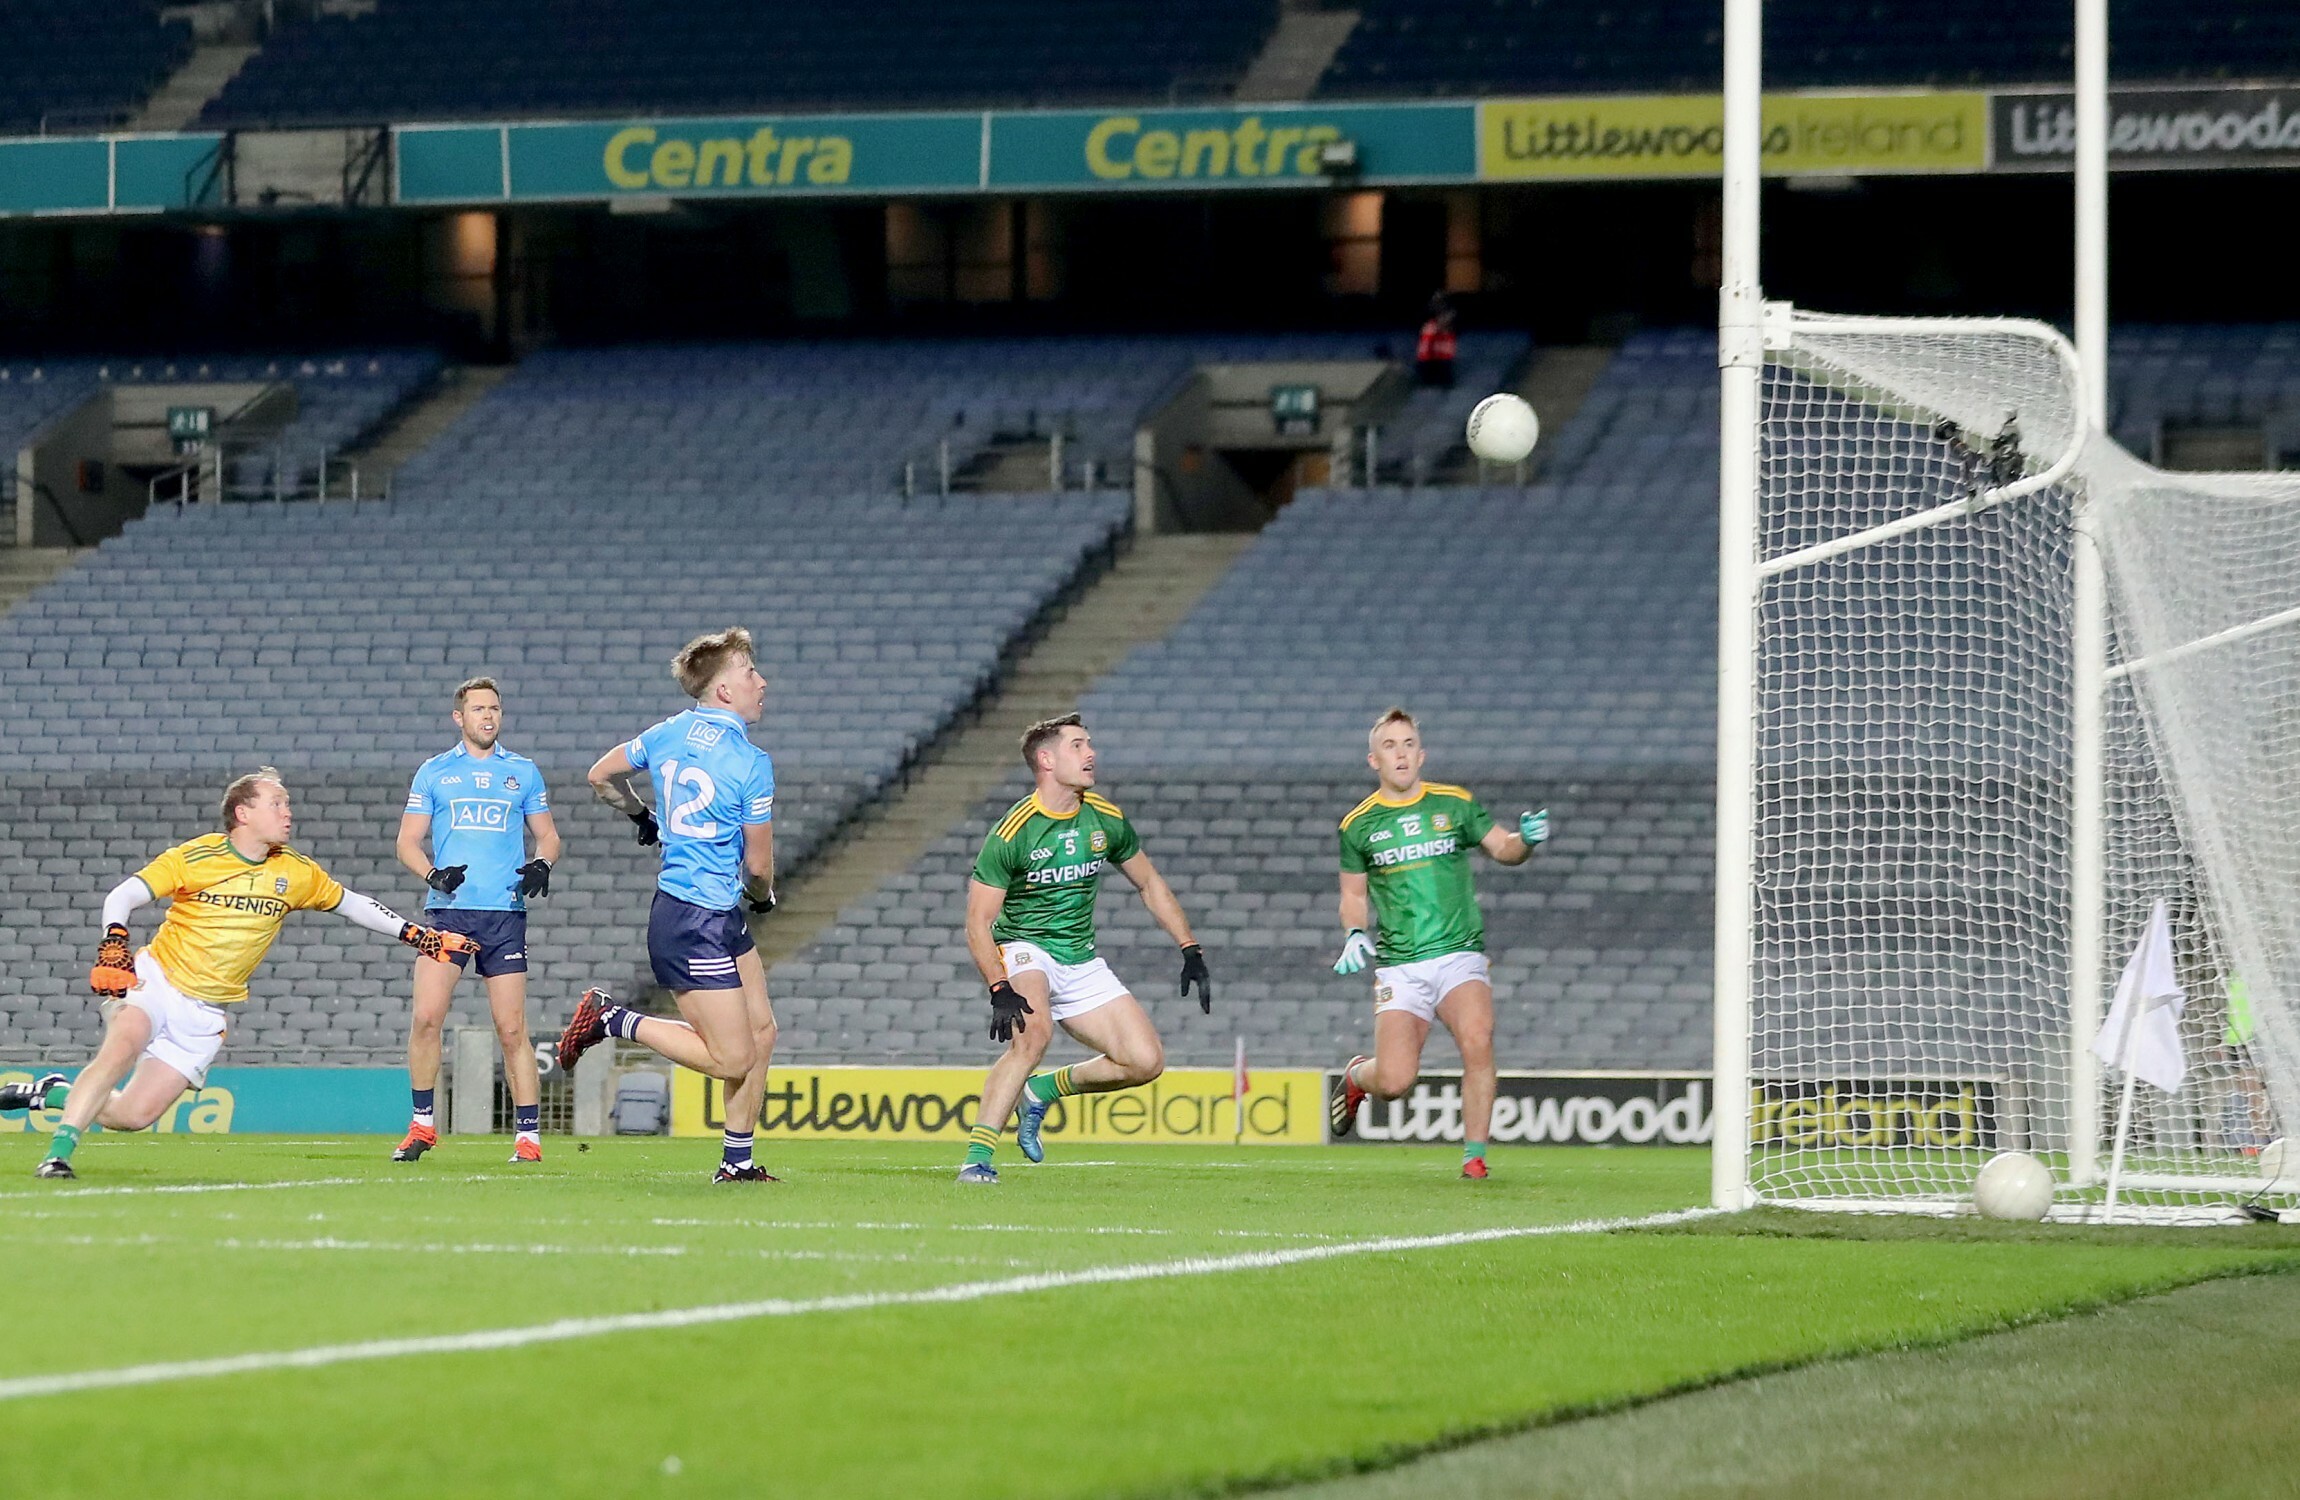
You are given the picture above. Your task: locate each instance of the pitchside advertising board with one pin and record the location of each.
(1675, 1109)
(2161, 128)
(241, 1101)
(1184, 1105)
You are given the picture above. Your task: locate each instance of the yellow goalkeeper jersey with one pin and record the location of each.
(226, 910)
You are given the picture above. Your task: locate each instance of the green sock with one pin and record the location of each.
(1048, 1087)
(66, 1142)
(981, 1142)
(1473, 1151)
(57, 1096)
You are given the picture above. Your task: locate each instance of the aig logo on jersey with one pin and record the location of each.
(477, 816)
(705, 733)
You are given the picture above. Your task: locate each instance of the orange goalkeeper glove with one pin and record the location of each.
(115, 971)
(432, 943)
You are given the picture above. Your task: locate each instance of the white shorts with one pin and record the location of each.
(186, 1033)
(1419, 987)
(1075, 988)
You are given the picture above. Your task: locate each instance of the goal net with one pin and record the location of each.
(1970, 785)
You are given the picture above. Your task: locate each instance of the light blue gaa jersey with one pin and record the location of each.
(710, 781)
(478, 806)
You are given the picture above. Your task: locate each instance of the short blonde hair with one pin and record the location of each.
(477, 685)
(1391, 716)
(242, 791)
(702, 659)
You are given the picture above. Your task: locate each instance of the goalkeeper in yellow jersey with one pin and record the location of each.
(166, 1007)
(1405, 851)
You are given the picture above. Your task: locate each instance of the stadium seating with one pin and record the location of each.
(1416, 444)
(877, 623)
(783, 418)
(83, 65)
(1458, 47)
(341, 397)
(34, 392)
(1557, 642)
(414, 59)
(2243, 375)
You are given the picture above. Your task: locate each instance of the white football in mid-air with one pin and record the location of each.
(1503, 429)
(2014, 1185)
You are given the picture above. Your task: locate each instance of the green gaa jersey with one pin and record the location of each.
(1415, 857)
(1050, 865)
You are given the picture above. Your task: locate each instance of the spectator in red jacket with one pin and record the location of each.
(1434, 352)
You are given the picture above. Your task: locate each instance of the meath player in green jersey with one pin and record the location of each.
(1407, 849)
(1030, 930)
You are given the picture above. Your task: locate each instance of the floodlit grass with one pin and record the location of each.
(2193, 1393)
(1241, 1373)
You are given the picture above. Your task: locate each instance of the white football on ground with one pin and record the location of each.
(1503, 429)
(2014, 1185)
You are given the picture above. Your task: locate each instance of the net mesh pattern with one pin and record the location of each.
(1914, 723)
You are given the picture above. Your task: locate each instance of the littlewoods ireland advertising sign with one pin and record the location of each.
(1283, 1107)
(2183, 127)
(1683, 135)
(1559, 1109)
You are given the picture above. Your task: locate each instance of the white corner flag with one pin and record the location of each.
(2142, 1031)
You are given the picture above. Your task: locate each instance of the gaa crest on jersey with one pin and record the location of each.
(1382, 995)
(511, 784)
(279, 886)
(1441, 822)
(1098, 841)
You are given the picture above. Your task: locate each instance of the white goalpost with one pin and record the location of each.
(1989, 689)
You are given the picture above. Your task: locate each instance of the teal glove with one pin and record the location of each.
(1533, 827)
(1355, 953)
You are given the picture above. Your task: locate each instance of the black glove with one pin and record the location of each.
(649, 833)
(761, 905)
(445, 878)
(1194, 972)
(535, 878)
(1007, 1008)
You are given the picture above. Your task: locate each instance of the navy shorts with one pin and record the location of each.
(501, 935)
(694, 948)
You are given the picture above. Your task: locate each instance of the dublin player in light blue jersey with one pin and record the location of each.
(477, 804)
(714, 815)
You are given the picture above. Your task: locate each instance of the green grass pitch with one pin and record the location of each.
(1118, 1321)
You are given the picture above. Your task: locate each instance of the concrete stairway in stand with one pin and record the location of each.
(459, 388)
(1140, 599)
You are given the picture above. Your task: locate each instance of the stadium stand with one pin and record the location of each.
(1461, 47)
(84, 65)
(417, 59)
(1418, 442)
(34, 392)
(1557, 642)
(336, 669)
(341, 397)
(779, 418)
(2243, 375)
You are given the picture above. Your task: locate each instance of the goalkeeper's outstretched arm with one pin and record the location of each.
(377, 917)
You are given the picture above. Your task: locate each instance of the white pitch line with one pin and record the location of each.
(566, 1329)
(259, 1187)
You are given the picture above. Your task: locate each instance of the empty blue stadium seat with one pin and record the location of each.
(428, 58)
